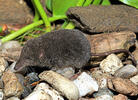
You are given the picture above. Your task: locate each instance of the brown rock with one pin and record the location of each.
(104, 18)
(111, 41)
(120, 97)
(14, 12)
(124, 86)
(10, 50)
(107, 42)
(11, 54)
(12, 86)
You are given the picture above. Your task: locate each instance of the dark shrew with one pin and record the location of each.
(61, 48)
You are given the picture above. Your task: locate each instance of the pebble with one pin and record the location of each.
(26, 86)
(11, 67)
(11, 50)
(38, 95)
(86, 84)
(61, 84)
(126, 71)
(111, 64)
(1, 94)
(100, 77)
(32, 77)
(103, 83)
(1, 84)
(103, 97)
(120, 97)
(66, 72)
(103, 91)
(134, 79)
(48, 90)
(9, 45)
(13, 98)
(12, 86)
(123, 86)
(3, 65)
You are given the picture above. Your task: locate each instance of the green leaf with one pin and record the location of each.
(96, 2)
(61, 6)
(49, 4)
(133, 3)
(80, 2)
(87, 2)
(105, 2)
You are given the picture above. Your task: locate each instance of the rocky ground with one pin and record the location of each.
(110, 77)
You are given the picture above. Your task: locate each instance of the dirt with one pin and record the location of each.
(104, 18)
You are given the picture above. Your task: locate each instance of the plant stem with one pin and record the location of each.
(70, 26)
(43, 15)
(37, 16)
(21, 31)
(54, 18)
(65, 24)
(28, 27)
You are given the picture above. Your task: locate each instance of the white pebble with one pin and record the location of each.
(134, 79)
(103, 83)
(1, 94)
(86, 84)
(63, 85)
(38, 95)
(13, 98)
(111, 64)
(11, 68)
(48, 90)
(3, 65)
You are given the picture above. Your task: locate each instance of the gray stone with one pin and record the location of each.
(67, 72)
(126, 71)
(103, 91)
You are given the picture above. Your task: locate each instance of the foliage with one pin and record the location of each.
(58, 9)
(133, 3)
